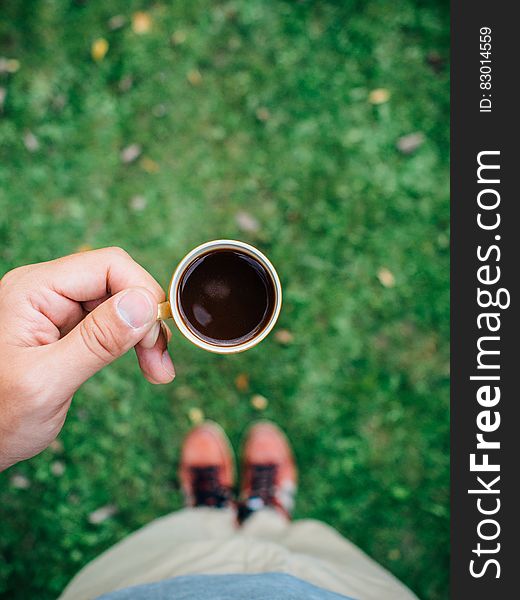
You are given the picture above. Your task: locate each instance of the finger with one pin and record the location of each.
(155, 363)
(103, 335)
(151, 337)
(72, 312)
(96, 274)
(62, 312)
(167, 332)
(88, 278)
(70, 320)
(90, 305)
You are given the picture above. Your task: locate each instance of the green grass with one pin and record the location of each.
(280, 126)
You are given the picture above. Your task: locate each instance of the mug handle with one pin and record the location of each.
(164, 311)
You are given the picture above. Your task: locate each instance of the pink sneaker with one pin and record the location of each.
(207, 471)
(269, 475)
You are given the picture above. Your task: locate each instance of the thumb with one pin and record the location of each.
(106, 333)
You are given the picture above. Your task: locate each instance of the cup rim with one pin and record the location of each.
(223, 244)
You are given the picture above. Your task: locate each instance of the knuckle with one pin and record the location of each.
(12, 276)
(99, 340)
(154, 290)
(14, 286)
(118, 252)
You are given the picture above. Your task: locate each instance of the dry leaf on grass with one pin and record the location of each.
(131, 153)
(84, 248)
(394, 554)
(263, 114)
(9, 65)
(56, 446)
(283, 336)
(116, 22)
(386, 277)
(99, 49)
(138, 203)
(409, 143)
(259, 402)
(194, 77)
(102, 514)
(141, 22)
(242, 382)
(57, 468)
(246, 222)
(149, 165)
(178, 38)
(379, 96)
(126, 83)
(20, 482)
(196, 415)
(31, 141)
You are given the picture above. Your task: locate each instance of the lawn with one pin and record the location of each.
(286, 124)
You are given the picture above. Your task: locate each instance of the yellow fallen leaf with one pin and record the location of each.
(379, 96)
(84, 248)
(196, 416)
(99, 49)
(259, 402)
(194, 77)
(386, 277)
(149, 165)
(141, 22)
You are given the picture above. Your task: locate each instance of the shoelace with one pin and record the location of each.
(263, 491)
(207, 489)
(262, 482)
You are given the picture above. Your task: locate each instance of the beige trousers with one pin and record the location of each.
(207, 541)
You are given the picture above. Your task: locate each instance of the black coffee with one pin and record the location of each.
(226, 297)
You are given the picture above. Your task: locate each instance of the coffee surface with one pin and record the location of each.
(226, 297)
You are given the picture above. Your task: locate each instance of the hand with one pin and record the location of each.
(61, 322)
